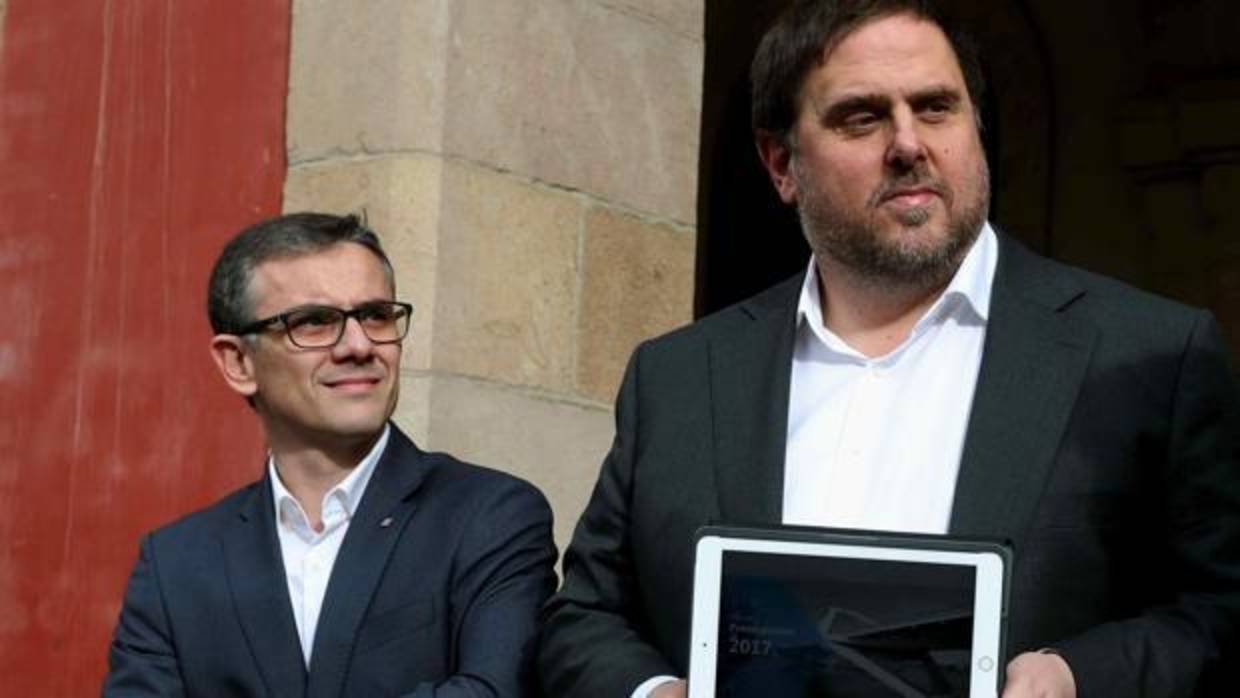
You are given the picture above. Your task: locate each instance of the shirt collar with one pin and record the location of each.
(975, 278)
(969, 291)
(348, 492)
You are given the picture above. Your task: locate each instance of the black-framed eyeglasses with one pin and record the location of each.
(321, 326)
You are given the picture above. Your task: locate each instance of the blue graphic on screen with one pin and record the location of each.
(819, 627)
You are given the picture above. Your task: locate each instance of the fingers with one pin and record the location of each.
(1039, 675)
(671, 689)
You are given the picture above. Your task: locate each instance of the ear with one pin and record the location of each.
(235, 365)
(777, 158)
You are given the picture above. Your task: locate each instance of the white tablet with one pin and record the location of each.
(794, 613)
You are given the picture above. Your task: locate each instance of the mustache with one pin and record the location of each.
(913, 179)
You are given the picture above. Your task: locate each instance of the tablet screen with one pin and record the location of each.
(838, 627)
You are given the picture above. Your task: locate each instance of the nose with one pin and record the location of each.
(906, 149)
(354, 344)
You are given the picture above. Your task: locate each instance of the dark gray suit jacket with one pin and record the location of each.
(1104, 442)
(435, 592)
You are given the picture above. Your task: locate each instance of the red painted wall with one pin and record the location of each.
(135, 138)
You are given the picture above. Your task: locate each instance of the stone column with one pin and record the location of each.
(532, 168)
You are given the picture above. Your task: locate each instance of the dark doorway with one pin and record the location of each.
(747, 238)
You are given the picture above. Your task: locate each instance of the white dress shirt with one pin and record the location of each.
(309, 555)
(875, 442)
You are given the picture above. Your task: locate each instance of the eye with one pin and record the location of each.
(859, 122)
(312, 317)
(937, 109)
(379, 312)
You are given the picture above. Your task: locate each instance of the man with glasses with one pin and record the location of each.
(359, 564)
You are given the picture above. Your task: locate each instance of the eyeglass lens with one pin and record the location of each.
(322, 326)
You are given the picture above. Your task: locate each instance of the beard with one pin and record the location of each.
(905, 253)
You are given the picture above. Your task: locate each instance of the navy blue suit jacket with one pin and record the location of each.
(1103, 441)
(435, 592)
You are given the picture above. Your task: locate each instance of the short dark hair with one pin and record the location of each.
(809, 29)
(228, 303)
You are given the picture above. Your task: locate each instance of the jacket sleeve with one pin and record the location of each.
(506, 572)
(142, 659)
(593, 634)
(1165, 650)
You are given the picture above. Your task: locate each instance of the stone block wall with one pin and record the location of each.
(532, 169)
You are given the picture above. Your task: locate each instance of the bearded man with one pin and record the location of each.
(925, 374)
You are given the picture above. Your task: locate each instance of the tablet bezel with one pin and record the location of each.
(990, 559)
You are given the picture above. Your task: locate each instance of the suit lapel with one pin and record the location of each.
(750, 371)
(255, 573)
(382, 515)
(1035, 358)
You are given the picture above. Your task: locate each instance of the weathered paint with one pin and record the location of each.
(135, 138)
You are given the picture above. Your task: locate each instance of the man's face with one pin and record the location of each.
(335, 397)
(885, 161)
